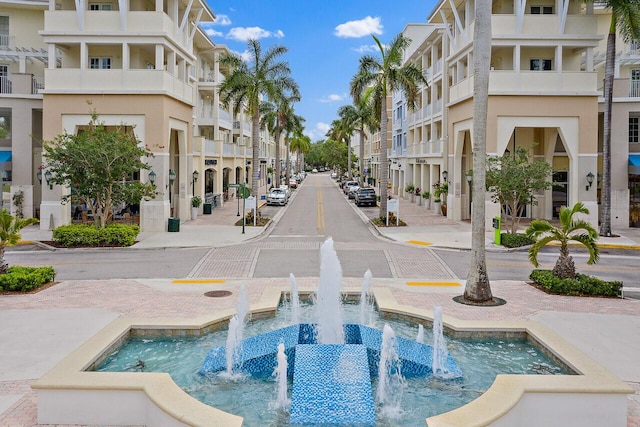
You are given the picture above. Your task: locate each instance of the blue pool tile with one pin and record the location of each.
(332, 385)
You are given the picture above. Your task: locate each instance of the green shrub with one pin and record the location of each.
(581, 285)
(87, 235)
(25, 279)
(509, 240)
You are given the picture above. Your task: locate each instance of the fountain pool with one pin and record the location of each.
(499, 384)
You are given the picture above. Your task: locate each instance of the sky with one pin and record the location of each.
(325, 40)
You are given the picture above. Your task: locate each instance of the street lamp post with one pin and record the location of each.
(172, 178)
(194, 178)
(469, 177)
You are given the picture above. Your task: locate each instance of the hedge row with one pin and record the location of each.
(581, 285)
(517, 240)
(75, 235)
(25, 279)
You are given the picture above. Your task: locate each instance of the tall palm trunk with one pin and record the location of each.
(384, 162)
(605, 225)
(286, 167)
(362, 136)
(477, 288)
(4, 267)
(278, 168)
(348, 138)
(255, 162)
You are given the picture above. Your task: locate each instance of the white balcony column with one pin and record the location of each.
(84, 56)
(51, 57)
(159, 56)
(126, 55)
(159, 5)
(81, 7)
(558, 61)
(123, 5)
(589, 59)
(171, 62)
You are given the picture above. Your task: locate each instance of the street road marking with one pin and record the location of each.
(321, 225)
(197, 281)
(418, 242)
(433, 284)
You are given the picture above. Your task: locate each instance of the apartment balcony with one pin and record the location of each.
(118, 81)
(634, 89)
(20, 84)
(212, 148)
(415, 116)
(68, 22)
(225, 117)
(508, 82)
(623, 88)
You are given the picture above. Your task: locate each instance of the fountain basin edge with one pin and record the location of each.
(594, 397)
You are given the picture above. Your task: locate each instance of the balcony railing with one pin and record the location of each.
(211, 148)
(634, 88)
(5, 85)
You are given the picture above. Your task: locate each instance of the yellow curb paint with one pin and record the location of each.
(197, 281)
(417, 242)
(433, 284)
(25, 242)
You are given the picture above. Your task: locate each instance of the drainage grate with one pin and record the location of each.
(218, 294)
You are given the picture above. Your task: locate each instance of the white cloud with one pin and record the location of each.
(223, 20)
(332, 98)
(213, 33)
(246, 56)
(360, 28)
(366, 48)
(318, 132)
(245, 33)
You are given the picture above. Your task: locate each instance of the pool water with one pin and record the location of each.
(252, 398)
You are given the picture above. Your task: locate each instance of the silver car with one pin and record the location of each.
(277, 197)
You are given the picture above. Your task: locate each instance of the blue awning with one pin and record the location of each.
(5, 156)
(634, 164)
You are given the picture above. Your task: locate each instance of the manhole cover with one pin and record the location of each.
(217, 294)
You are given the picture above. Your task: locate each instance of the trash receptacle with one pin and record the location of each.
(206, 209)
(174, 224)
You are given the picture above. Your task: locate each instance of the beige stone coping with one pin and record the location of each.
(72, 372)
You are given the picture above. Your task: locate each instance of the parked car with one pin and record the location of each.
(352, 191)
(366, 196)
(347, 184)
(293, 183)
(286, 190)
(277, 197)
(334, 175)
(314, 170)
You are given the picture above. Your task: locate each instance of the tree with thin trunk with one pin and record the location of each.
(293, 126)
(300, 144)
(625, 19)
(263, 76)
(381, 76)
(478, 289)
(341, 131)
(362, 118)
(275, 117)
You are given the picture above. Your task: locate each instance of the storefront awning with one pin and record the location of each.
(634, 164)
(5, 156)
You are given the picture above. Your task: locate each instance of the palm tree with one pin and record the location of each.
(275, 117)
(248, 82)
(381, 76)
(571, 229)
(361, 116)
(625, 18)
(478, 288)
(341, 131)
(10, 227)
(300, 144)
(294, 125)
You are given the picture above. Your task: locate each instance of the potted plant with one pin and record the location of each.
(426, 201)
(196, 201)
(436, 196)
(409, 190)
(634, 216)
(418, 192)
(444, 189)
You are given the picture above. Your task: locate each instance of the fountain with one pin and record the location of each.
(280, 373)
(236, 333)
(420, 336)
(361, 379)
(390, 380)
(366, 300)
(440, 352)
(295, 299)
(328, 298)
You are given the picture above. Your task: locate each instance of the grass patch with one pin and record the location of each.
(582, 285)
